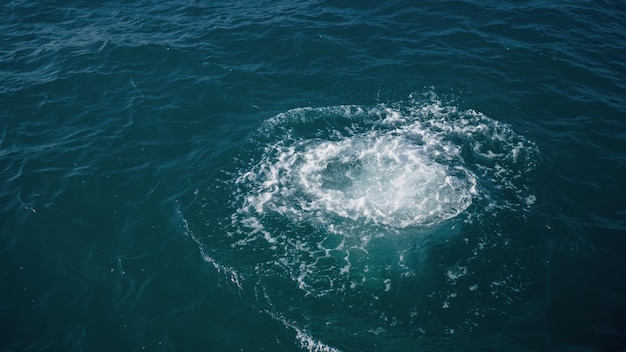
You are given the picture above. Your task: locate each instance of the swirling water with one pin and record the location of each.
(316, 175)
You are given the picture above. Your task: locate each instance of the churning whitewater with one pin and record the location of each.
(373, 174)
(327, 181)
(339, 203)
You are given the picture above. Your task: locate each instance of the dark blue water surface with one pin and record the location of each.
(313, 176)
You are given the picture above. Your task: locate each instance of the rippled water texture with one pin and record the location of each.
(312, 176)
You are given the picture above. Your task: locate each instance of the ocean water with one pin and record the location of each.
(317, 175)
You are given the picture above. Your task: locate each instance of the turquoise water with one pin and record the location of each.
(313, 176)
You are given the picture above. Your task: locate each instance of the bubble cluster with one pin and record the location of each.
(389, 214)
(327, 188)
(375, 177)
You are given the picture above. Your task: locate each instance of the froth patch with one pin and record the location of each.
(371, 178)
(325, 182)
(332, 214)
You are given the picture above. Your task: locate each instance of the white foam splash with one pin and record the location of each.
(310, 344)
(361, 173)
(330, 205)
(377, 178)
(396, 176)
